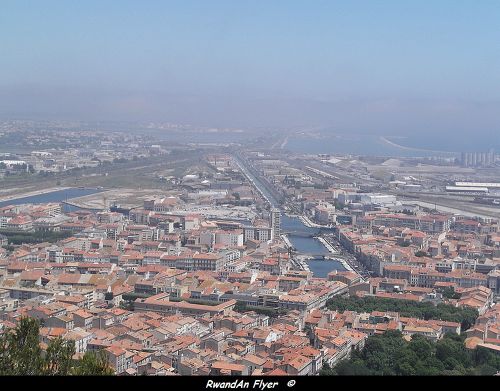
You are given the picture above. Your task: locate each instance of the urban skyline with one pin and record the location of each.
(285, 190)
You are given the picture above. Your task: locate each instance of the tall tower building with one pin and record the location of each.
(276, 222)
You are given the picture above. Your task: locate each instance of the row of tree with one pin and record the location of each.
(389, 354)
(407, 308)
(269, 311)
(22, 355)
(20, 237)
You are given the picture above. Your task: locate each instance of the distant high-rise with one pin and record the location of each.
(276, 222)
(478, 159)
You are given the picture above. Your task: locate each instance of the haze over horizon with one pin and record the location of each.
(358, 66)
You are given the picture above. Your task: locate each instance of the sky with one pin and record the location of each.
(366, 66)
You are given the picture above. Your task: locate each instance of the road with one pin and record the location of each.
(269, 194)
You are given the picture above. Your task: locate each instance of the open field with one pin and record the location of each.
(453, 206)
(139, 175)
(126, 197)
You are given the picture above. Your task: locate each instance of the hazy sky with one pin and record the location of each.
(367, 66)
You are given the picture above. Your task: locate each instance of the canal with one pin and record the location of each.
(309, 245)
(303, 244)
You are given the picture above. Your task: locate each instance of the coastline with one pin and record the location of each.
(33, 193)
(80, 206)
(393, 144)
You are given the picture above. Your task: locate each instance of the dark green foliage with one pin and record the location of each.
(108, 296)
(390, 354)
(131, 296)
(271, 312)
(20, 352)
(93, 364)
(407, 308)
(21, 355)
(127, 305)
(58, 357)
(9, 248)
(449, 293)
(19, 237)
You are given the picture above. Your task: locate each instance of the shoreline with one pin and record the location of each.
(309, 223)
(73, 204)
(287, 241)
(393, 144)
(328, 246)
(345, 264)
(33, 193)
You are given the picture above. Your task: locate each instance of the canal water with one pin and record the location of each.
(53, 196)
(297, 236)
(309, 245)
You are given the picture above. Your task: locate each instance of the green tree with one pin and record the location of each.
(20, 349)
(108, 296)
(58, 358)
(93, 364)
(423, 310)
(21, 354)
(390, 354)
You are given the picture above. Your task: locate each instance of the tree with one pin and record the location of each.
(20, 349)
(93, 364)
(390, 354)
(423, 310)
(22, 355)
(59, 357)
(108, 296)
(449, 293)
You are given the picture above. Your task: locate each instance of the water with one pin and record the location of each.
(296, 225)
(359, 144)
(328, 144)
(304, 245)
(309, 245)
(481, 141)
(53, 196)
(321, 268)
